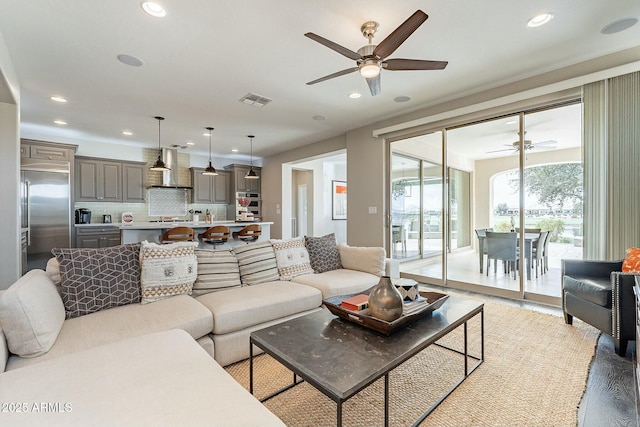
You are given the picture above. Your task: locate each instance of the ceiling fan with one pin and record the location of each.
(370, 59)
(528, 145)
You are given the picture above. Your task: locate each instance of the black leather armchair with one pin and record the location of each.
(600, 294)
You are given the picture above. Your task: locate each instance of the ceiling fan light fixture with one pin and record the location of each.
(159, 164)
(369, 69)
(210, 170)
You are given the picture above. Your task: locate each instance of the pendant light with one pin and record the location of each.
(252, 173)
(159, 164)
(210, 170)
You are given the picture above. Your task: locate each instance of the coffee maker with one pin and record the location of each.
(83, 216)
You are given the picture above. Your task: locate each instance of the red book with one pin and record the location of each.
(356, 302)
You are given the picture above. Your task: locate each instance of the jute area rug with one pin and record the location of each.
(534, 374)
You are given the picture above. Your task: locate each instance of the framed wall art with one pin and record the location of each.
(339, 200)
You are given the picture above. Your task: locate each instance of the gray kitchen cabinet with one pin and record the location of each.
(105, 180)
(97, 237)
(33, 149)
(98, 180)
(134, 177)
(209, 189)
(239, 183)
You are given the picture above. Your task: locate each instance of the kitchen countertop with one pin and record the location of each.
(161, 225)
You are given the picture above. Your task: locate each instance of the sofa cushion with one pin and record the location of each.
(257, 262)
(95, 279)
(240, 308)
(167, 270)
(631, 263)
(596, 290)
(162, 379)
(323, 253)
(4, 350)
(339, 282)
(31, 314)
(366, 259)
(292, 257)
(127, 321)
(217, 270)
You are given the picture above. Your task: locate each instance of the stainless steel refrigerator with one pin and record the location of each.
(45, 209)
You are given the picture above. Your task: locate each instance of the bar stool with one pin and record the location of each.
(178, 234)
(216, 235)
(250, 233)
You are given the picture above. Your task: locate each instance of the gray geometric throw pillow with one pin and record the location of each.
(95, 279)
(323, 253)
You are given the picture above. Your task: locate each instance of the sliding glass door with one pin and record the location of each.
(519, 175)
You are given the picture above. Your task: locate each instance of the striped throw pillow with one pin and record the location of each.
(217, 271)
(257, 263)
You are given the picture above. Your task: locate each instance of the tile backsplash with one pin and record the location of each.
(141, 211)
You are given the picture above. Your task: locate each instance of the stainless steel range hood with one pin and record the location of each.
(170, 177)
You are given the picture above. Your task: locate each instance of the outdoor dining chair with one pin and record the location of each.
(503, 247)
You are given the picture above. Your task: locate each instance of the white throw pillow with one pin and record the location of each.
(32, 314)
(292, 257)
(365, 259)
(167, 270)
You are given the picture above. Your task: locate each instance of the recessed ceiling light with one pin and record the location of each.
(60, 122)
(58, 99)
(319, 117)
(206, 134)
(402, 98)
(355, 95)
(127, 132)
(511, 122)
(234, 150)
(190, 143)
(153, 9)
(130, 60)
(619, 25)
(539, 20)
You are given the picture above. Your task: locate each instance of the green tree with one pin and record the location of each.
(554, 185)
(502, 209)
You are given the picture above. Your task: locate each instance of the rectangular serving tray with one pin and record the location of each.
(363, 318)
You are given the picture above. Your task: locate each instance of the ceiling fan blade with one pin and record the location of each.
(400, 34)
(330, 76)
(548, 142)
(397, 64)
(374, 85)
(335, 46)
(504, 149)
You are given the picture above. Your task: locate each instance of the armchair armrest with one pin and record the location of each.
(623, 306)
(592, 268)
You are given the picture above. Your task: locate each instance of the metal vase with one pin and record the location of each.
(385, 301)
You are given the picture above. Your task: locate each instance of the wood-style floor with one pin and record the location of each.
(610, 396)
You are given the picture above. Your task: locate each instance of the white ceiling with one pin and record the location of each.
(204, 56)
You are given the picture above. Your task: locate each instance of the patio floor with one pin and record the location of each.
(463, 266)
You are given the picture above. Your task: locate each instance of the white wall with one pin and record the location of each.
(10, 167)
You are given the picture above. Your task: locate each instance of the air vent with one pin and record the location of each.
(179, 146)
(255, 100)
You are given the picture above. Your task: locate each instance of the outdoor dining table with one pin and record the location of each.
(529, 240)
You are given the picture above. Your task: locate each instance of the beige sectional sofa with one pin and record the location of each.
(234, 292)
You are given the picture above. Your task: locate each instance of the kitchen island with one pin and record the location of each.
(152, 231)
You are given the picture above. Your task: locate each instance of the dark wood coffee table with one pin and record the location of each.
(329, 354)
